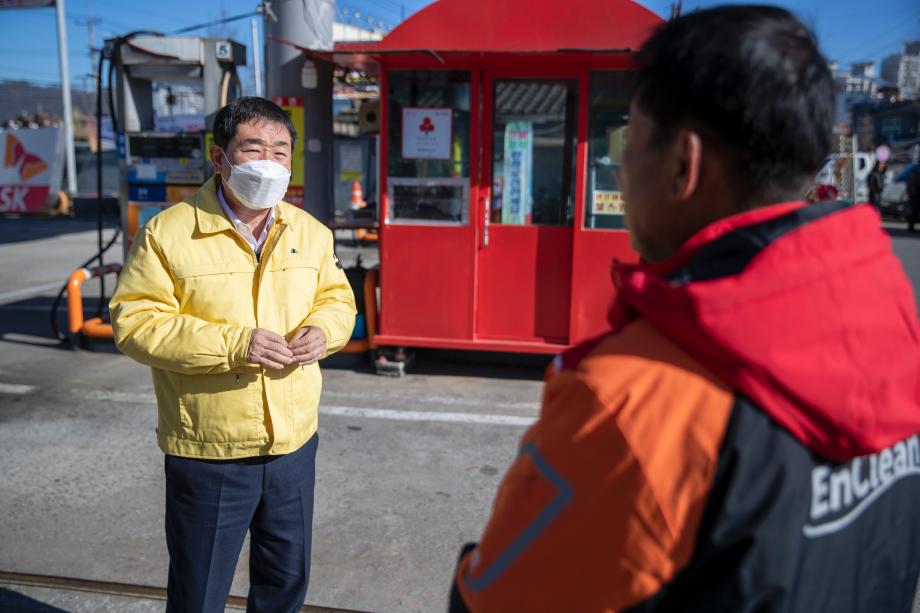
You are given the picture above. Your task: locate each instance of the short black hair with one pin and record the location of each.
(752, 81)
(245, 110)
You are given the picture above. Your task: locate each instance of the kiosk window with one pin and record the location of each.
(608, 110)
(533, 152)
(428, 146)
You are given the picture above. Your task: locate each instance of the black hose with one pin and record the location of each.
(99, 203)
(100, 307)
(112, 112)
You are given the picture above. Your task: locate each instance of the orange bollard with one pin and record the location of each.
(366, 235)
(370, 316)
(93, 327)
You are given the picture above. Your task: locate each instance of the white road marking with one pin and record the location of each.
(463, 418)
(15, 388)
(361, 412)
(29, 292)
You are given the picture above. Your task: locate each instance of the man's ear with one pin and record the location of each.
(688, 150)
(217, 158)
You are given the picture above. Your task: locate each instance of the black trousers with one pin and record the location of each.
(210, 504)
(913, 212)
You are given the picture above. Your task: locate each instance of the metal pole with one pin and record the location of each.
(853, 166)
(65, 96)
(307, 24)
(256, 56)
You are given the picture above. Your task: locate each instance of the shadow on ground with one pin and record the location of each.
(28, 322)
(903, 233)
(14, 601)
(15, 230)
(438, 362)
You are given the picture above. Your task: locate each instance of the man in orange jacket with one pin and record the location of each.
(746, 437)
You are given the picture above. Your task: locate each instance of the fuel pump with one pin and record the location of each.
(162, 162)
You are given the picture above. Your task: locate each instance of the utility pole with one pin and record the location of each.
(65, 96)
(256, 57)
(90, 23)
(677, 8)
(289, 72)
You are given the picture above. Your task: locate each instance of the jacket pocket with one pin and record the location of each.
(216, 292)
(222, 408)
(294, 281)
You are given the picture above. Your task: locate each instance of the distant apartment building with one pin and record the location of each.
(903, 70)
(863, 69)
(855, 86)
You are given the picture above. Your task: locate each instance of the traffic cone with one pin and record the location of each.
(357, 197)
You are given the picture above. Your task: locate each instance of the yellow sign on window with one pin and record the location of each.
(607, 202)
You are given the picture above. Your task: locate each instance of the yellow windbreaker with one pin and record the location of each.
(187, 301)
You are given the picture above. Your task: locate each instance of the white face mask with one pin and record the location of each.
(258, 184)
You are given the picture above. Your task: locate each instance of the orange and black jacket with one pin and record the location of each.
(746, 439)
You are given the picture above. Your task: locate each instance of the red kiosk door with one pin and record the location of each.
(526, 208)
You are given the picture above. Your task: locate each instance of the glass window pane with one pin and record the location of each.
(428, 146)
(533, 151)
(608, 111)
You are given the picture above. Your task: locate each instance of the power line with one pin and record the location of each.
(889, 36)
(216, 22)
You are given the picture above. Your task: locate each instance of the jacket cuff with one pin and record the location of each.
(240, 351)
(331, 345)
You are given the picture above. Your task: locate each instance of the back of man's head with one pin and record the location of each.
(752, 82)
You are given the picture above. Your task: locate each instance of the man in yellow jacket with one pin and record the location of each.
(232, 299)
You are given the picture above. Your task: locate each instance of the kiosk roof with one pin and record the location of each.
(516, 26)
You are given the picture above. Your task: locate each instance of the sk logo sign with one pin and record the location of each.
(426, 126)
(16, 156)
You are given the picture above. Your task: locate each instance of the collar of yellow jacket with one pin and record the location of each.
(210, 217)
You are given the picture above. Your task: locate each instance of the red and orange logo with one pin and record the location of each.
(16, 156)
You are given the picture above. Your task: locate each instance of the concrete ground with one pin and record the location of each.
(82, 483)
(407, 468)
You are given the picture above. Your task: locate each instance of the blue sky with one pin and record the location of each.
(848, 30)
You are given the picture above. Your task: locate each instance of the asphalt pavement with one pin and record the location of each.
(407, 468)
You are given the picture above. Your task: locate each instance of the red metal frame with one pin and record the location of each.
(518, 297)
(428, 278)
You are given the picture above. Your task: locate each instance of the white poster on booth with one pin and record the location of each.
(426, 133)
(517, 179)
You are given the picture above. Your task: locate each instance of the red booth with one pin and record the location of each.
(502, 125)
